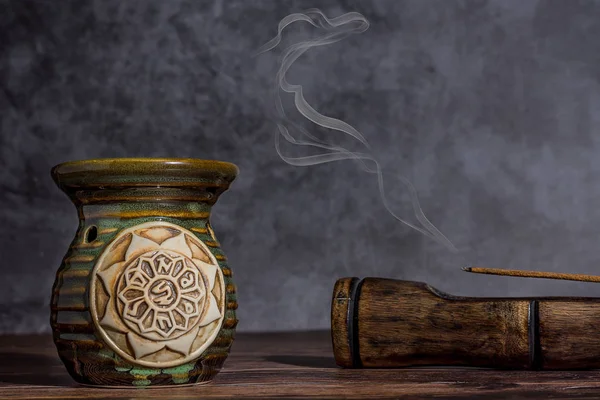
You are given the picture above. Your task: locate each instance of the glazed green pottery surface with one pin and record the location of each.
(144, 296)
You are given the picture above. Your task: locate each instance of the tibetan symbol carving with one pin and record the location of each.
(157, 295)
(162, 294)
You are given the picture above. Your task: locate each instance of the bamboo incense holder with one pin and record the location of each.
(382, 323)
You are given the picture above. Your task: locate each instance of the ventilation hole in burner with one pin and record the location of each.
(91, 234)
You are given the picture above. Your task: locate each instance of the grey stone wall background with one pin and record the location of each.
(490, 108)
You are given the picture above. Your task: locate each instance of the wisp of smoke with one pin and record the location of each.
(335, 29)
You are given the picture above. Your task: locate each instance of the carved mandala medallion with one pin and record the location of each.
(157, 295)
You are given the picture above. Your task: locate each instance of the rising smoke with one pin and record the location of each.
(335, 29)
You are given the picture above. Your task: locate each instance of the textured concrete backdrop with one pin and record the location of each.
(491, 108)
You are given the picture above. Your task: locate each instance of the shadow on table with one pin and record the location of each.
(32, 369)
(304, 361)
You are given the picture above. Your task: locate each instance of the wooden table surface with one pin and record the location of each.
(296, 365)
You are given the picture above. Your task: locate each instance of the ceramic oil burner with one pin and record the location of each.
(144, 296)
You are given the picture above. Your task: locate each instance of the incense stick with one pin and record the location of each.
(533, 274)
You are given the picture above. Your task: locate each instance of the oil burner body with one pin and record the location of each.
(144, 296)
